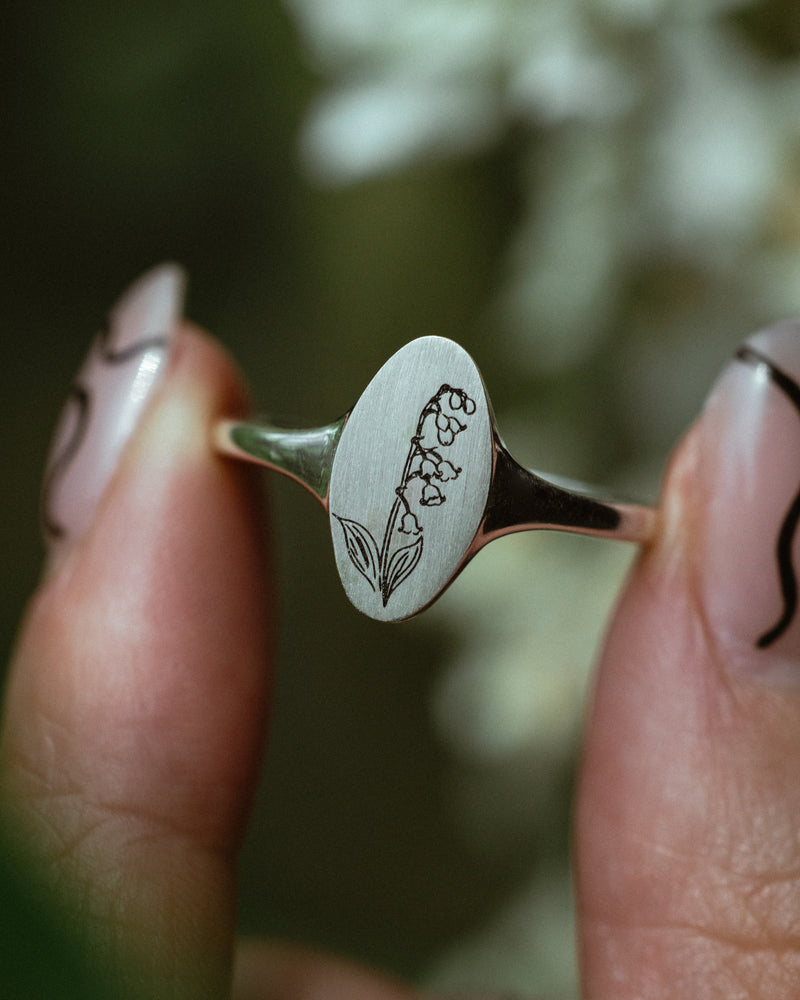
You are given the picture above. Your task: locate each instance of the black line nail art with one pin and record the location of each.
(110, 354)
(783, 547)
(80, 398)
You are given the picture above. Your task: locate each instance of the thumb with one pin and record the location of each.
(134, 713)
(688, 856)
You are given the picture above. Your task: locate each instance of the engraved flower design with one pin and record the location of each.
(446, 471)
(447, 427)
(427, 469)
(385, 568)
(409, 524)
(460, 400)
(432, 496)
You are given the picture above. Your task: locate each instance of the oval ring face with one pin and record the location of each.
(410, 479)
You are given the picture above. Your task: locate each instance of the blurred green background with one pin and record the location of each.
(597, 199)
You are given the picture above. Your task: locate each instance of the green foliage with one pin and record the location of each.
(42, 952)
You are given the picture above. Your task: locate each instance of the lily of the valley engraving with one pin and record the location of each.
(386, 567)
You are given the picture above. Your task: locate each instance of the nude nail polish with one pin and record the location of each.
(124, 367)
(749, 467)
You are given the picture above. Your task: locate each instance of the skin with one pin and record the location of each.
(133, 730)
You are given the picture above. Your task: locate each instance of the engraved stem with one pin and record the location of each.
(400, 500)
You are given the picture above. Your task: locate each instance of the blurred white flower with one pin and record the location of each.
(419, 77)
(528, 618)
(655, 131)
(715, 156)
(371, 127)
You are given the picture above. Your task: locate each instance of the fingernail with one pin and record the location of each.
(124, 367)
(749, 461)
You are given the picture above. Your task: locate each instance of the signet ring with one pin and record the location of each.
(416, 480)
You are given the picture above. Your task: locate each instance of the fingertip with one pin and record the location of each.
(211, 366)
(136, 705)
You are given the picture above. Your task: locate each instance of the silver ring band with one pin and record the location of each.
(416, 480)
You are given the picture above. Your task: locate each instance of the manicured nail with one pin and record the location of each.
(750, 470)
(125, 365)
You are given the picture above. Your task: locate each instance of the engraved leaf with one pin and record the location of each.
(401, 566)
(362, 549)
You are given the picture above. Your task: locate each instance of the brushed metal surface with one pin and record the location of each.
(410, 479)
